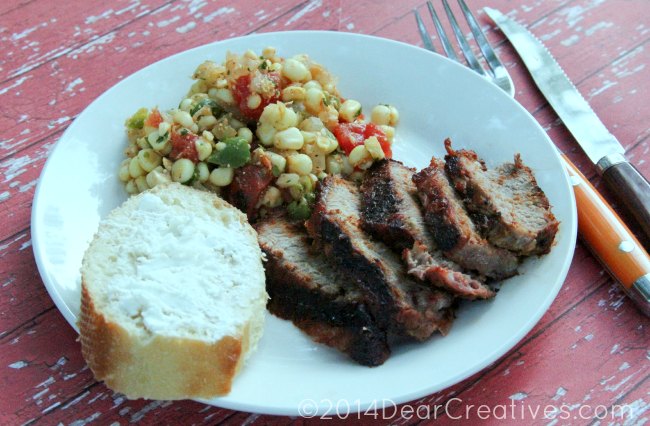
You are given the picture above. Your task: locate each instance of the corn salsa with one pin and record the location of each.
(261, 131)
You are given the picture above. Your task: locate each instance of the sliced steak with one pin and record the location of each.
(453, 230)
(514, 211)
(323, 303)
(407, 308)
(433, 268)
(390, 212)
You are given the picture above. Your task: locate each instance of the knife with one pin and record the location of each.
(602, 148)
(601, 228)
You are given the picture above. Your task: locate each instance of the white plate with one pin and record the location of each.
(436, 98)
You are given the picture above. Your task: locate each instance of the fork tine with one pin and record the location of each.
(490, 56)
(424, 34)
(464, 46)
(446, 44)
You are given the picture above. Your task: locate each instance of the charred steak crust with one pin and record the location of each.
(404, 307)
(381, 212)
(391, 213)
(454, 231)
(322, 303)
(513, 210)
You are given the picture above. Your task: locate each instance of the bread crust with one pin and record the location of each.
(163, 367)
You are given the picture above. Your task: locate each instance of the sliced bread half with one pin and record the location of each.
(173, 295)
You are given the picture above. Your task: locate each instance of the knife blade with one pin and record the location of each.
(603, 149)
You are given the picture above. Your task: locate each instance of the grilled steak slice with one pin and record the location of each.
(391, 213)
(431, 267)
(323, 303)
(405, 307)
(453, 229)
(507, 200)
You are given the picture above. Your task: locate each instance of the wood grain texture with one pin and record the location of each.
(590, 350)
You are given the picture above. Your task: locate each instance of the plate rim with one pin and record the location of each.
(258, 406)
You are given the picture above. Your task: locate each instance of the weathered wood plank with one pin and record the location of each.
(71, 81)
(22, 294)
(591, 34)
(35, 35)
(543, 372)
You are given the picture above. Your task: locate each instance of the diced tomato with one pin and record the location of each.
(247, 187)
(184, 146)
(374, 130)
(154, 119)
(351, 135)
(242, 91)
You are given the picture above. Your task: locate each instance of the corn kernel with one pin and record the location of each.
(389, 131)
(183, 118)
(131, 188)
(149, 159)
(295, 70)
(225, 96)
(311, 124)
(203, 171)
(350, 110)
(277, 160)
(380, 115)
(293, 93)
(245, 132)
(135, 169)
(124, 174)
(272, 197)
(207, 121)
(394, 116)
(287, 180)
(288, 118)
(266, 134)
(182, 170)
(374, 148)
(290, 138)
(300, 164)
(203, 148)
(314, 100)
(141, 183)
(158, 176)
(254, 101)
(222, 176)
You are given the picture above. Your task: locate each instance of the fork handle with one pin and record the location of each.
(610, 240)
(632, 190)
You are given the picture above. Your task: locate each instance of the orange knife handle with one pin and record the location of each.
(609, 239)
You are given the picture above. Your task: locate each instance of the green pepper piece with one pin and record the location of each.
(136, 121)
(299, 210)
(235, 154)
(216, 109)
(310, 197)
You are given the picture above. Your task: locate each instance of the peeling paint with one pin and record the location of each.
(310, 7)
(518, 396)
(219, 12)
(187, 27)
(18, 364)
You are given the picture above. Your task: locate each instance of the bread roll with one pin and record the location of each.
(173, 295)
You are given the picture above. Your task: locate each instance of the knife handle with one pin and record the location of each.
(632, 190)
(610, 240)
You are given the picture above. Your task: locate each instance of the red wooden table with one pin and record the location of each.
(588, 357)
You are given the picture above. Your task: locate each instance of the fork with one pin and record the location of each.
(596, 218)
(496, 72)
